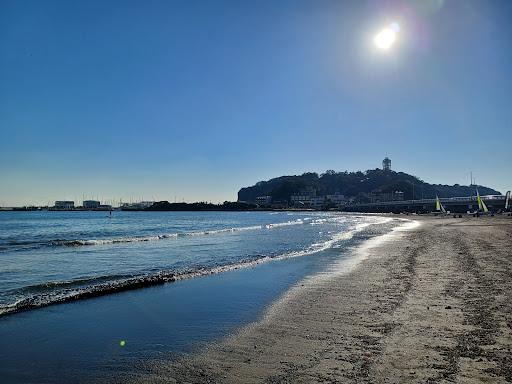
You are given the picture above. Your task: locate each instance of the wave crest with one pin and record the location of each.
(49, 293)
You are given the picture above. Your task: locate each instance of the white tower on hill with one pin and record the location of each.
(386, 164)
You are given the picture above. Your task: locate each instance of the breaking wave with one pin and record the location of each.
(135, 239)
(54, 292)
(121, 240)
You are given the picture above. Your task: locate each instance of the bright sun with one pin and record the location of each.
(386, 38)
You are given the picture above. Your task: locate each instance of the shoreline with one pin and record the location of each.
(146, 280)
(432, 305)
(81, 339)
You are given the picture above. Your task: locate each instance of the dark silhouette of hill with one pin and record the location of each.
(352, 184)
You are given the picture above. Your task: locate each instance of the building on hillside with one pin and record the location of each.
(264, 200)
(377, 197)
(398, 196)
(300, 201)
(318, 202)
(338, 200)
(303, 198)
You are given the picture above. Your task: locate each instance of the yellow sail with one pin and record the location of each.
(481, 204)
(439, 206)
(484, 207)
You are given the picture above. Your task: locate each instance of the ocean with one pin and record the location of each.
(86, 297)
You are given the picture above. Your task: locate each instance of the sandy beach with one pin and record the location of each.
(431, 304)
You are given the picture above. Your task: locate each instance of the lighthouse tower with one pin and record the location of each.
(386, 164)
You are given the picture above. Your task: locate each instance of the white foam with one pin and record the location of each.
(363, 251)
(166, 276)
(134, 239)
(285, 224)
(345, 265)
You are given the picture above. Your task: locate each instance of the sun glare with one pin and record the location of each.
(385, 39)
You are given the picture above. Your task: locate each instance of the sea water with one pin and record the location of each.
(141, 285)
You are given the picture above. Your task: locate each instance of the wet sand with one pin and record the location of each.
(430, 305)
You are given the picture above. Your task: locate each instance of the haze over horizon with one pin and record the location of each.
(167, 100)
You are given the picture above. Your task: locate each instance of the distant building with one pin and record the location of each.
(264, 200)
(338, 200)
(398, 196)
(64, 204)
(386, 164)
(377, 197)
(317, 202)
(136, 206)
(301, 200)
(90, 204)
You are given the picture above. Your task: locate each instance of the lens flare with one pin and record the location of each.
(385, 39)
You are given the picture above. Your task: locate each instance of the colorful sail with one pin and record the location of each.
(484, 207)
(481, 204)
(439, 206)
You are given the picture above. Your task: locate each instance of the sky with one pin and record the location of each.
(192, 100)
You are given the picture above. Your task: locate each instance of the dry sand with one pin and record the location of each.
(430, 305)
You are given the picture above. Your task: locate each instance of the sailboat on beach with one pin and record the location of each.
(439, 205)
(481, 205)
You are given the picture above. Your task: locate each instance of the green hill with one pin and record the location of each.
(352, 184)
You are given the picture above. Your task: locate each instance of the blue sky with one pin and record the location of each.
(195, 99)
